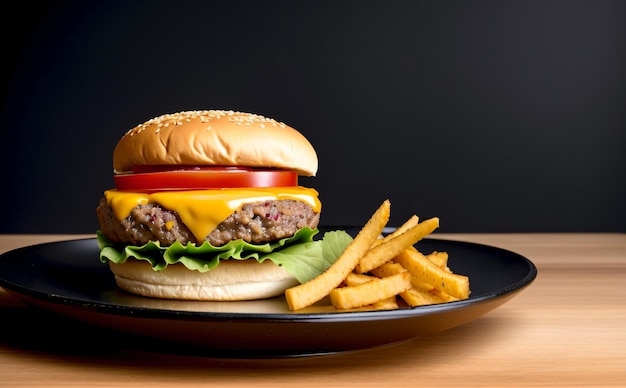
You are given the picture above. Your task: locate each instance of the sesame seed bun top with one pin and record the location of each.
(215, 138)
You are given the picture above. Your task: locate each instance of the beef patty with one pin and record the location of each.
(257, 222)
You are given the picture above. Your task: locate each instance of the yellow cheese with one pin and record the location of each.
(203, 210)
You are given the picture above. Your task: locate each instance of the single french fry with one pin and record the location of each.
(315, 289)
(414, 297)
(445, 297)
(354, 279)
(370, 292)
(384, 304)
(419, 284)
(411, 222)
(424, 270)
(388, 269)
(440, 259)
(386, 251)
(390, 303)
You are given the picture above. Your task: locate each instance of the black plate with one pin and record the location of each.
(67, 278)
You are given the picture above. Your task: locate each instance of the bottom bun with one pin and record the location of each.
(230, 280)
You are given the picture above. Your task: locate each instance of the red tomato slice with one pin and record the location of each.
(161, 178)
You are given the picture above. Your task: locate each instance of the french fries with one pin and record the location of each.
(315, 289)
(387, 250)
(424, 270)
(411, 222)
(375, 273)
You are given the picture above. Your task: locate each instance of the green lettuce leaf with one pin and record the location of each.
(300, 255)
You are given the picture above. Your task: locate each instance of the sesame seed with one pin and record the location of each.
(204, 116)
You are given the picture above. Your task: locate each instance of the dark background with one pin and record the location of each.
(496, 116)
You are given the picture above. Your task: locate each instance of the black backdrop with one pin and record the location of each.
(496, 116)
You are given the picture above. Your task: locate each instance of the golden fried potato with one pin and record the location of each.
(427, 272)
(387, 250)
(312, 291)
(370, 292)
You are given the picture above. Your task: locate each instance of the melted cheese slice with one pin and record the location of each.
(203, 210)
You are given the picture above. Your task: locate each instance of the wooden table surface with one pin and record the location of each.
(567, 329)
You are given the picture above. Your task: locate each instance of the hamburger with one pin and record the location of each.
(207, 206)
